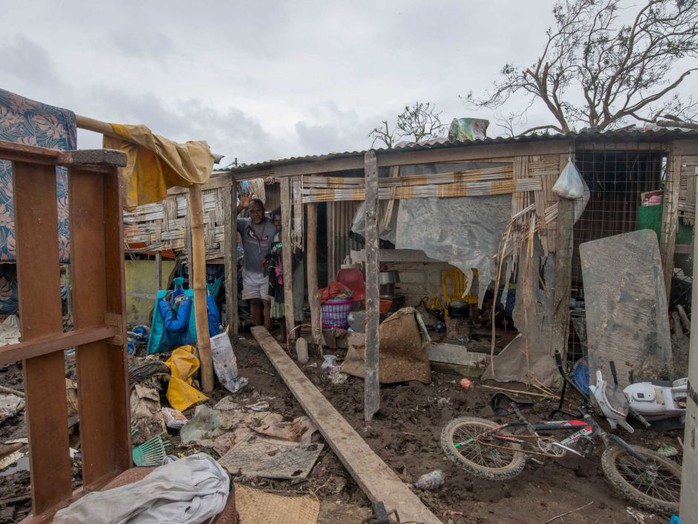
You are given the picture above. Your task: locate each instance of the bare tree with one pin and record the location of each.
(600, 72)
(419, 122)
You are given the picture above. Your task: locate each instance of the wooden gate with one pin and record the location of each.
(96, 258)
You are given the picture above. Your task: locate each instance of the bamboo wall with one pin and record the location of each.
(162, 226)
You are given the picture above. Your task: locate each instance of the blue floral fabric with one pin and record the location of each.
(27, 122)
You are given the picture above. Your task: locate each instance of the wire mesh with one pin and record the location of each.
(616, 181)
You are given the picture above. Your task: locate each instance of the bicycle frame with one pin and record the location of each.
(581, 429)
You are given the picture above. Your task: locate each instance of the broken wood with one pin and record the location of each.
(685, 321)
(376, 479)
(5, 389)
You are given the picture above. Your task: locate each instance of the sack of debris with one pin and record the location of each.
(403, 354)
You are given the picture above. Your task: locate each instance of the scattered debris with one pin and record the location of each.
(180, 392)
(225, 363)
(568, 512)
(146, 413)
(151, 453)
(174, 418)
(271, 458)
(10, 405)
(431, 481)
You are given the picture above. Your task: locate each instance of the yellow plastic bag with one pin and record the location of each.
(183, 364)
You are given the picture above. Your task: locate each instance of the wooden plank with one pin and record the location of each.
(116, 316)
(670, 219)
(563, 275)
(396, 157)
(685, 147)
(491, 173)
(313, 287)
(197, 277)
(287, 253)
(371, 384)
(456, 189)
(375, 478)
(38, 275)
(622, 146)
(230, 257)
(455, 354)
(88, 261)
(222, 181)
(22, 153)
(51, 343)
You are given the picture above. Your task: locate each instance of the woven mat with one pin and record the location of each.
(258, 507)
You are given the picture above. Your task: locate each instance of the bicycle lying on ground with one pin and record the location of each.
(499, 451)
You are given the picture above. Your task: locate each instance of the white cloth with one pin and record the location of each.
(190, 490)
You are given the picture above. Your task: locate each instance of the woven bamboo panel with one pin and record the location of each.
(545, 168)
(455, 189)
(687, 189)
(161, 226)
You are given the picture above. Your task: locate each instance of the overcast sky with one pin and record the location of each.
(265, 80)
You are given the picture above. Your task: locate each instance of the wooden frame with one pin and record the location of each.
(99, 335)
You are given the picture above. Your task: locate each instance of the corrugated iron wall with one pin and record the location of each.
(340, 216)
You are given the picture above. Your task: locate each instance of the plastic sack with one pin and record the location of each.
(225, 363)
(570, 184)
(183, 364)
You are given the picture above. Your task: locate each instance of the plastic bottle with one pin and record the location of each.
(430, 481)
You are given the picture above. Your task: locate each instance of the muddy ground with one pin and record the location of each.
(405, 434)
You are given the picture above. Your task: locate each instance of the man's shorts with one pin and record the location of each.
(255, 285)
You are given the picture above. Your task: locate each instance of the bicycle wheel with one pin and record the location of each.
(656, 487)
(464, 440)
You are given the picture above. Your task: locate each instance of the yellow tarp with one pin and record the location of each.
(156, 163)
(183, 364)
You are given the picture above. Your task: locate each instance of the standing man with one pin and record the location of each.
(257, 233)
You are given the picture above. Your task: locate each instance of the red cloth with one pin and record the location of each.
(334, 290)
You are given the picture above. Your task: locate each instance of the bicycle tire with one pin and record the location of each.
(658, 491)
(482, 461)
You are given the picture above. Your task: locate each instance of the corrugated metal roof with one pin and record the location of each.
(634, 134)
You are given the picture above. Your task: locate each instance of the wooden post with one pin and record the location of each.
(230, 256)
(371, 384)
(670, 218)
(311, 262)
(287, 253)
(563, 275)
(158, 271)
(197, 268)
